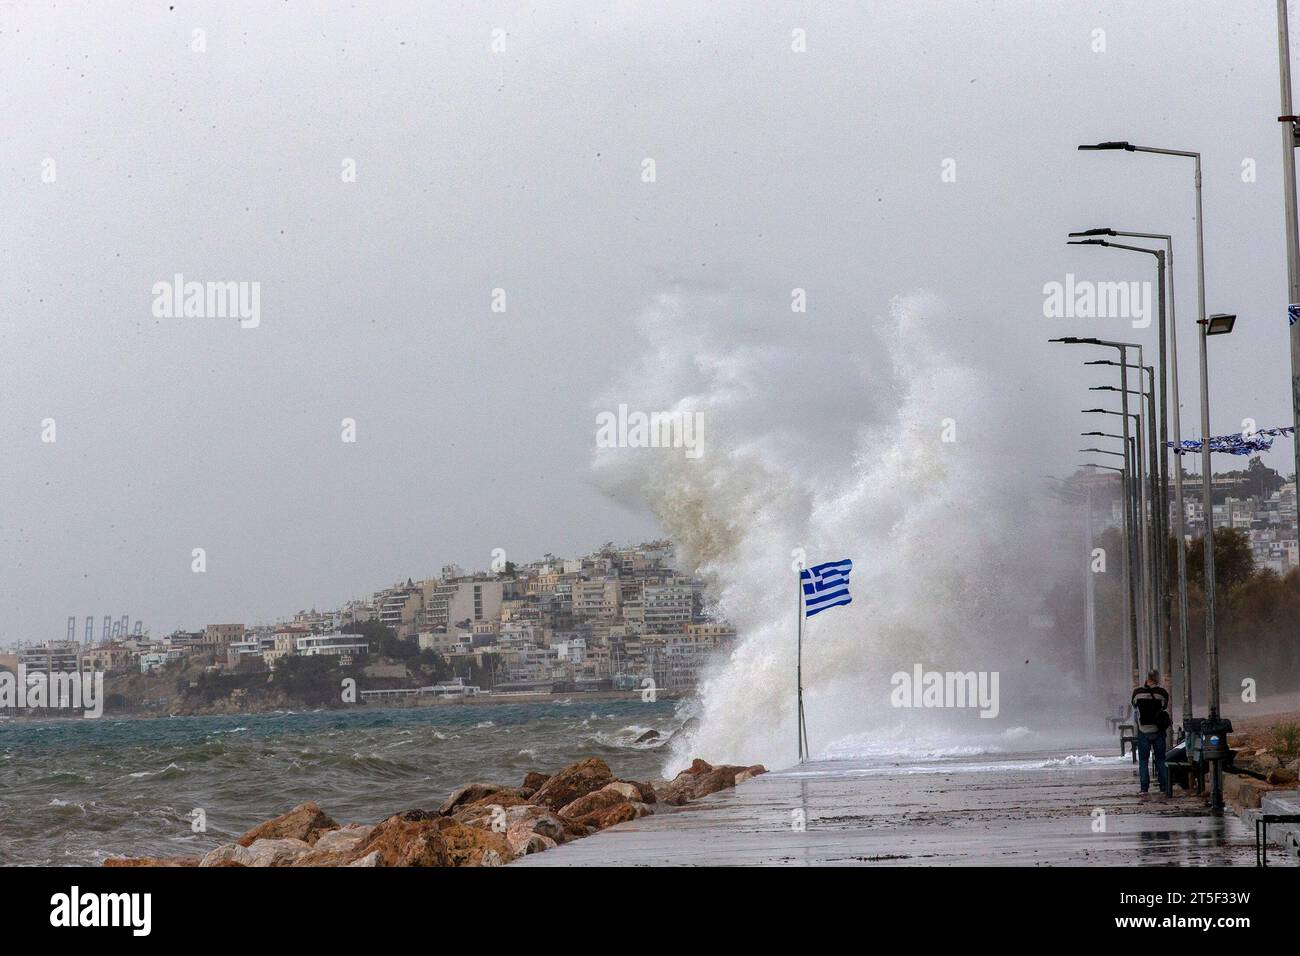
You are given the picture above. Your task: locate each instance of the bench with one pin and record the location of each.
(1261, 832)
(1128, 735)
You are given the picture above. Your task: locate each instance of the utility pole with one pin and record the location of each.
(1289, 141)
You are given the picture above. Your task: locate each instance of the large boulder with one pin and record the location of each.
(228, 854)
(620, 812)
(1244, 792)
(467, 794)
(400, 842)
(701, 779)
(276, 852)
(1262, 762)
(601, 799)
(523, 842)
(534, 781)
(719, 778)
(574, 781)
(535, 831)
(536, 819)
(633, 790)
(473, 846)
(167, 861)
(336, 846)
(1281, 776)
(678, 790)
(468, 812)
(304, 822)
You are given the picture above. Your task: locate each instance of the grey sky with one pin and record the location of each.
(521, 170)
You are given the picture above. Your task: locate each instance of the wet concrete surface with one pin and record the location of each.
(1025, 810)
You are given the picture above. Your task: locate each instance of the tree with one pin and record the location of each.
(1263, 479)
(433, 665)
(383, 640)
(313, 679)
(1233, 562)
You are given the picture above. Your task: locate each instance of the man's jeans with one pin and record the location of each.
(1146, 743)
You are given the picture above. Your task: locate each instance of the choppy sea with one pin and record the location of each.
(76, 791)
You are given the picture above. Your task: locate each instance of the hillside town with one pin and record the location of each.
(1257, 501)
(618, 619)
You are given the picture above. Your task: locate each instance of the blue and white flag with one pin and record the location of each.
(1244, 443)
(826, 585)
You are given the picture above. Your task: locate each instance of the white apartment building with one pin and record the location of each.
(337, 645)
(668, 607)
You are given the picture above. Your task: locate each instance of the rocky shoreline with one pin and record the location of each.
(479, 824)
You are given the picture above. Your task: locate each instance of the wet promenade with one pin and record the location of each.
(1020, 810)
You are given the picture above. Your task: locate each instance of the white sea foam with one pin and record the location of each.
(154, 773)
(826, 436)
(1080, 760)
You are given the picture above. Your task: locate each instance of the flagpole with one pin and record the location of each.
(798, 672)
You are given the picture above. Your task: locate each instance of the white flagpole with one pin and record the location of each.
(799, 669)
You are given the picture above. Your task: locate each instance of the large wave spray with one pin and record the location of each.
(834, 443)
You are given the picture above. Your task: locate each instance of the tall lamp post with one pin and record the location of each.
(1174, 402)
(1218, 324)
(1290, 139)
(1157, 636)
(1123, 348)
(1140, 581)
(1160, 464)
(1214, 729)
(1128, 570)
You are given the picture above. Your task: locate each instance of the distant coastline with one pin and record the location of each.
(225, 708)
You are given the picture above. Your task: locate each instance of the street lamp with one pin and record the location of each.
(1126, 497)
(1157, 637)
(1217, 324)
(1220, 324)
(1180, 526)
(1290, 139)
(1128, 564)
(1142, 531)
(1148, 520)
(1137, 582)
(1123, 348)
(1159, 464)
(1213, 726)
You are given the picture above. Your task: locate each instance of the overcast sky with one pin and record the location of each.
(522, 170)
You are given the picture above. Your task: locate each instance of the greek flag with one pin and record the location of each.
(826, 585)
(1245, 443)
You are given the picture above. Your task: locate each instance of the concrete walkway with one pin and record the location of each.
(1013, 811)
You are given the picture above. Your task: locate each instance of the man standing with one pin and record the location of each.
(1151, 714)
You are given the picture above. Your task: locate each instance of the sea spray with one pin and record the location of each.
(883, 446)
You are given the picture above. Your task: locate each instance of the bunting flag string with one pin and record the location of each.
(1236, 444)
